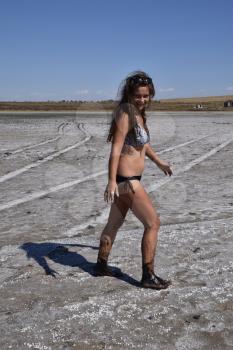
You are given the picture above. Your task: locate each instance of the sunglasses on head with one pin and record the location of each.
(141, 80)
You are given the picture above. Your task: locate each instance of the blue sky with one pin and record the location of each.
(82, 50)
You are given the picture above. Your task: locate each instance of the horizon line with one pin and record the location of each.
(114, 100)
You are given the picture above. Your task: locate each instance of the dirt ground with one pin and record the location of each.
(53, 172)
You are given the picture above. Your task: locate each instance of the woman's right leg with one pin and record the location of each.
(116, 218)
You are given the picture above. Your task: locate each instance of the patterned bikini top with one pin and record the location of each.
(141, 136)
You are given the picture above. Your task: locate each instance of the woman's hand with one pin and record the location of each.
(165, 167)
(111, 190)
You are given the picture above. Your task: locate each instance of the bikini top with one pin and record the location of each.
(141, 136)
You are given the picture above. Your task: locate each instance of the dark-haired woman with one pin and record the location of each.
(130, 139)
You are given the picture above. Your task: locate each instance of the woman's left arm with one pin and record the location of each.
(163, 165)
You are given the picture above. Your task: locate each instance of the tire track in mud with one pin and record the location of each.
(185, 143)
(199, 221)
(101, 218)
(61, 127)
(8, 153)
(19, 171)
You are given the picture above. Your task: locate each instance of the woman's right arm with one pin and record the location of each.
(122, 128)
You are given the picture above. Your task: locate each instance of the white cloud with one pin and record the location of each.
(99, 92)
(82, 92)
(229, 88)
(170, 89)
(105, 94)
(38, 94)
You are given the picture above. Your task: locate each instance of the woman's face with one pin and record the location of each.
(141, 97)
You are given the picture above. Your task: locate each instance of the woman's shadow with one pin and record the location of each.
(60, 254)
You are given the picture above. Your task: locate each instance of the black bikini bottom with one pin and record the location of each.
(120, 178)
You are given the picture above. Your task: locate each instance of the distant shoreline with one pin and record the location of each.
(70, 112)
(211, 103)
(52, 111)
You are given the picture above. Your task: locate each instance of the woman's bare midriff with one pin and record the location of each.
(131, 161)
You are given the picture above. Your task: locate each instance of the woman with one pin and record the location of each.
(130, 139)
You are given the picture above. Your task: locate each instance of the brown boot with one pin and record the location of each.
(102, 269)
(150, 280)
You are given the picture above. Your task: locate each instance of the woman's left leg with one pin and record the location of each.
(143, 209)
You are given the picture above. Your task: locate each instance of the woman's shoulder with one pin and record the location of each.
(122, 118)
(122, 123)
(122, 113)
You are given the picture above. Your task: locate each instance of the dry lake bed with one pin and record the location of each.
(53, 172)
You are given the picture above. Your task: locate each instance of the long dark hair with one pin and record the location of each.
(125, 93)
